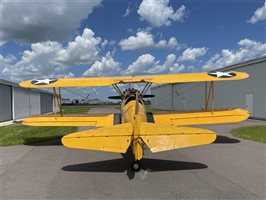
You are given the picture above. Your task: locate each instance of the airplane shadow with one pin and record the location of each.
(49, 142)
(121, 165)
(33, 141)
(225, 140)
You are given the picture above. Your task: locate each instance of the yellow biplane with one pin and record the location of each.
(134, 126)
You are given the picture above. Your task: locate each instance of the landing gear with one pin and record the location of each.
(136, 166)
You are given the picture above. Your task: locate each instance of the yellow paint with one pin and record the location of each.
(98, 121)
(158, 79)
(135, 131)
(201, 117)
(166, 137)
(112, 139)
(134, 112)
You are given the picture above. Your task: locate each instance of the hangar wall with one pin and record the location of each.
(46, 103)
(35, 102)
(5, 102)
(164, 92)
(249, 93)
(17, 102)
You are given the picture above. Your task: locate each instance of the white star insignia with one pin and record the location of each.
(222, 74)
(44, 81)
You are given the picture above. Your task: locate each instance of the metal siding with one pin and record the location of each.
(5, 102)
(226, 93)
(21, 102)
(43, 103)
(46, 103)
(189, 96)
(49, 103)
(163, 97)
(233, 93)
(35, 104)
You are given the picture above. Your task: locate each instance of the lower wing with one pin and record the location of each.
(166, 137)
(101, 120)
(201, 117)
(115, 138)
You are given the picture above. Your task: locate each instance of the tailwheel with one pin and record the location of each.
(136, 166)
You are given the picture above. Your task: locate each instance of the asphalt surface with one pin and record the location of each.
(230, 168)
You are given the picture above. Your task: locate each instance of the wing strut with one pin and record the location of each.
(146, 88)
(117, 89)
(209, 92)
(57, 101)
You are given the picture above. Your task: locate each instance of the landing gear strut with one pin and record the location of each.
(136, 166)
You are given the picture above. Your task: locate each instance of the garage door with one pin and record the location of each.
(5, 102)
(46, 103)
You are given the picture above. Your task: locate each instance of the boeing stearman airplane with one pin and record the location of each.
(134, 126)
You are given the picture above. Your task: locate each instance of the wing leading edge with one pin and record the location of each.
(157, 79)
(201, 117)
(97, 121)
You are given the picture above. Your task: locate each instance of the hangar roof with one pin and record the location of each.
(6, 82)
(242, 64)
(230, 67)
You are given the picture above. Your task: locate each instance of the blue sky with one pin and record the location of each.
(113, 38)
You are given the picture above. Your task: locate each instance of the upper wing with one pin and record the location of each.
(115, 138)
(201, 117)
(101, 120)
(158, 79)
(166, 137)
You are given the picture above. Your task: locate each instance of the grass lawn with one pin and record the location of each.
(20, 134)
(75, 109)
(83, 109)
(154, 110)
(255, 133)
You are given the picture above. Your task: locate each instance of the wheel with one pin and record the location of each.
(135, 166)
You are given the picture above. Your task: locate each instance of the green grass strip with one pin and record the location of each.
(20, 134)
(254, 133)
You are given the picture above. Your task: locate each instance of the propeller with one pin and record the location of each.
(119, 97)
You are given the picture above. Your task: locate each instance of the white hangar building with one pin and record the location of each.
(249, 93)
(17, 102)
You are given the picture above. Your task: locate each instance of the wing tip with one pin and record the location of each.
(243, 75)
(23, 84)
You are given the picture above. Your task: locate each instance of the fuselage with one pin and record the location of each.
(133, 111)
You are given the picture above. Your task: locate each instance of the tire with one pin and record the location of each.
(136, 166)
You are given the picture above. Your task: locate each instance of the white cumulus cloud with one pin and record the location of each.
(107, 66)
(248, 49)
(84, 49)
(147, 64)
(142, 65)
(159, 13)
(145, 40)
(191, 54)
(52, 59)
(38, 21)
(259, 15)
(140, 41)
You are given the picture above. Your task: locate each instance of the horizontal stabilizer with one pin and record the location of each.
(115, 138)
(100, 120)
(166, 137)
(201, 117)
